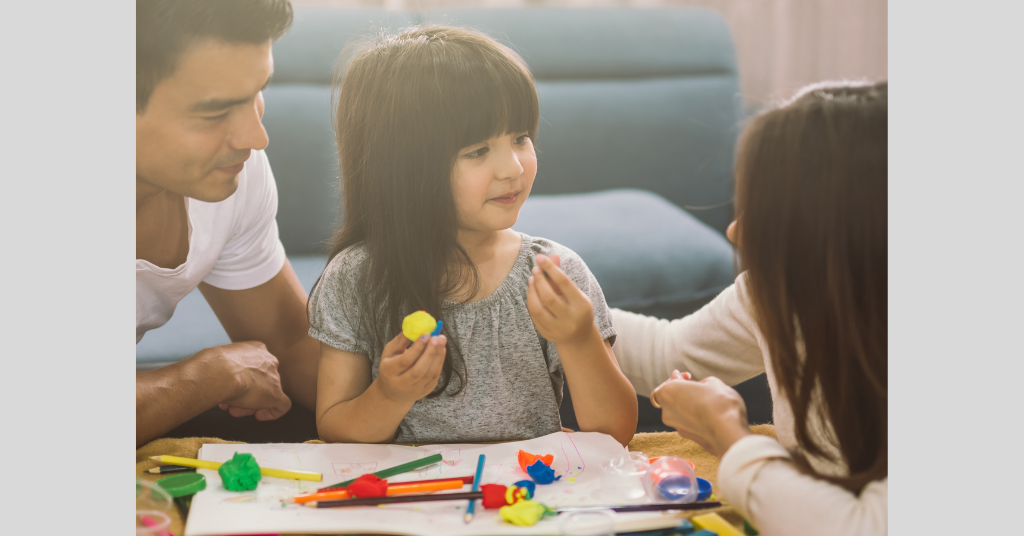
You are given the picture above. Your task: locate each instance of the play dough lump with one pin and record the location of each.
(240, 473)
(418, 324)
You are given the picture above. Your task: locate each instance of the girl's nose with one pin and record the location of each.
(511, 168)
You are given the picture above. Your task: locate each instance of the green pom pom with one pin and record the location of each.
(240, 473)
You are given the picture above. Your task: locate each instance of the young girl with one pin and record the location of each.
(434, 131)
(811, 182)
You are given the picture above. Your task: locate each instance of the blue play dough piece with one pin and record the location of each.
(437, 330)
(529, 485)
(703, 489)
(541, 473)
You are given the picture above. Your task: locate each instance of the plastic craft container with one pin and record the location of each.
(182, 488)
(588, 523)
(672, 479)
(621, 478)
(152, 505)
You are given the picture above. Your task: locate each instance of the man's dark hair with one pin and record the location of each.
(165, 28)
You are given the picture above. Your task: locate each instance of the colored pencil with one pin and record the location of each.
(265, 471)
(374, 501)
(167, 469)
(400, 488)
(476, 485)
(645, 507)
(464, 479)
(398, 469)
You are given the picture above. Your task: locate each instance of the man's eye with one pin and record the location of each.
(216, 117)
(521, 140)
(477, 153)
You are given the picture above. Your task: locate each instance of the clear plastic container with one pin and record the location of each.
(621, 478)
(152, 509)
(597, 522)
(671, 479)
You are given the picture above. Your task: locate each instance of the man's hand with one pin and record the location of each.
(258, 388)
(409, 373)
(559, 309)
(709, 412)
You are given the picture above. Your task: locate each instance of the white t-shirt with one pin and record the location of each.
(232, 244)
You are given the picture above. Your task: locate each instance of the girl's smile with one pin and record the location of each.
(507, 199)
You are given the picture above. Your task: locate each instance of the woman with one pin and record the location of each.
(810, 310)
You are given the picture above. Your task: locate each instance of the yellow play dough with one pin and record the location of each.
(417, 324)
(525, 513)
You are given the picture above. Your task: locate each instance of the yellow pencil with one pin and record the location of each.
(265, 471)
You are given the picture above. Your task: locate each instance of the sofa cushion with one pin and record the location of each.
(649, 256)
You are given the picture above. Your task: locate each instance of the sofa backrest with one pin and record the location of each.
(638, 98)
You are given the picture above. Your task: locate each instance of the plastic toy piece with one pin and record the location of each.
(418, 324)
(542, 474)
(526, 459)
(749, 529)
(530, 486)
(367, 486)
(716, 524)
(494, 496)
(525, 513)
(703, 533)
(703, 489)
(240, 473)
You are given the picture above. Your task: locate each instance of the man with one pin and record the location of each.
(206, 203)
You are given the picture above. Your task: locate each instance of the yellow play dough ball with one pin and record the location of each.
(417, 324)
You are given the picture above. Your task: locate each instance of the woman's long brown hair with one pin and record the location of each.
(405, 106)
(812, 180)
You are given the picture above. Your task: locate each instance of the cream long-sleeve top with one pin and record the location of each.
(756, 474)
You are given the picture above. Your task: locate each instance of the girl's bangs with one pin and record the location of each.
(493, 98)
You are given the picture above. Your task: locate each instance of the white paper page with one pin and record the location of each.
(578, 458)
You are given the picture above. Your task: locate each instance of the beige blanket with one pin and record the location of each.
(658, 444)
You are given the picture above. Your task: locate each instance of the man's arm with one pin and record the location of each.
(273, 313)
(243, 375)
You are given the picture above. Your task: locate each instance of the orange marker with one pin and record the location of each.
(393, 489)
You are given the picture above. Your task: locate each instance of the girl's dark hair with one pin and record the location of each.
(165, 28)
(407, 104)
(812, 180)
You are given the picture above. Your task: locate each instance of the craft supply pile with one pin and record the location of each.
(561, 483)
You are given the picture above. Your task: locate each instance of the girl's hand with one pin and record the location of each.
(708, 412)
(409, 373)
(559, 309)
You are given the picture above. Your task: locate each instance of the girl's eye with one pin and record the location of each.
(521, 140)
(477, 153)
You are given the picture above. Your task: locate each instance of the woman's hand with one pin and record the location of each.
(559, 309)
(708, 412)
(409, 373)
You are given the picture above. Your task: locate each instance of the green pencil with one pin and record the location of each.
(398, 469)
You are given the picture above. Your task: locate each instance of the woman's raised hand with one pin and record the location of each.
(559, 309)
(709, 412)
(409, 373)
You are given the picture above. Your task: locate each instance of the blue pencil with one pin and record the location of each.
(476, 484)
